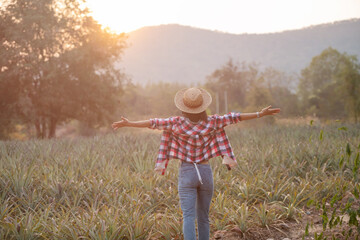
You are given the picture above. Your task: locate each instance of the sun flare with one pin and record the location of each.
(127, 16)
(233, 16)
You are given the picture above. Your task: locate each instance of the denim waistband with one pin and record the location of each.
(191, 164)
(196, 168)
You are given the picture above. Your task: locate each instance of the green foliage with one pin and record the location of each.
(281, 87)
(243, 217)
(105, 187)
(249, 89)
(234, 79)
(257, 96)
(151, 100)
(329, 87)
(345, 201)
(56, 64)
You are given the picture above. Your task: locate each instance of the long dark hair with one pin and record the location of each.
(195, 117)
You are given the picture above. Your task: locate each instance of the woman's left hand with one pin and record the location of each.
(269, 111)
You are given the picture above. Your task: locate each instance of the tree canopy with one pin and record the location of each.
(329, 87)
(56, 64)
(249, 88)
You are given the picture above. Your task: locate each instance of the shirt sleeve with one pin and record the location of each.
(162, 123)
(227, 119)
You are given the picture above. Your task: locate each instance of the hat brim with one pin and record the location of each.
(179, 103)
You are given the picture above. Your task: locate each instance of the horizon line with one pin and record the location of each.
(245, 33)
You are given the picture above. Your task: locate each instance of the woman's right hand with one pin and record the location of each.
(123, 123)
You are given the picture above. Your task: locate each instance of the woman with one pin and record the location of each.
(194, 138)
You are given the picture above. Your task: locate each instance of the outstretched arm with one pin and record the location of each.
(126, 123)
(265, 111)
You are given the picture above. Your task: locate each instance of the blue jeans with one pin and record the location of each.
(195, 199)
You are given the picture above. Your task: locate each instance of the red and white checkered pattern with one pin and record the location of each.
(191, 142)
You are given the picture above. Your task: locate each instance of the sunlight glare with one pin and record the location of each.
(233, 16)
(126, 16)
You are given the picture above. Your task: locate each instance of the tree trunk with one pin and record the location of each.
(37, 127)
(43, 128)
(52, 128)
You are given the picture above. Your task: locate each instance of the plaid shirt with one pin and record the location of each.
(184, 140)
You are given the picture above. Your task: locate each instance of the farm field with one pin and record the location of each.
(104, 187)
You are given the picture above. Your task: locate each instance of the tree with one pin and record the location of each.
(258, 96)
(281, 87)
(61, 62)
(150, 100)
(8, 106)
(329, 86)
(233, 79)
(349, 74)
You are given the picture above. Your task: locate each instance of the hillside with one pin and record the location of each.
(174, 53)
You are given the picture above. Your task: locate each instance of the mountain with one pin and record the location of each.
(175, 53)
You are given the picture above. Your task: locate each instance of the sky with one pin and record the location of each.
(232, 16)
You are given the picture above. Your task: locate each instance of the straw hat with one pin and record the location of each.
(192, 100)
